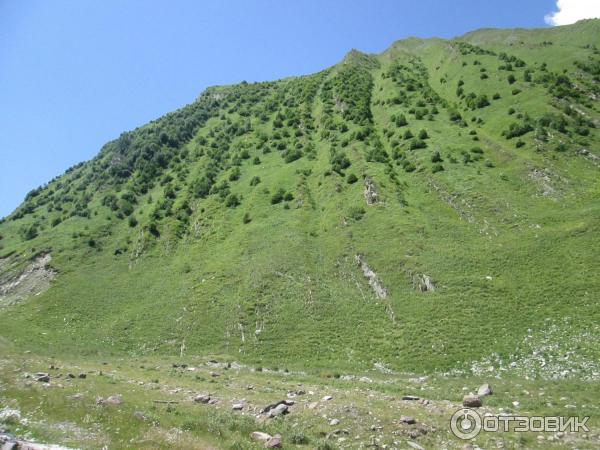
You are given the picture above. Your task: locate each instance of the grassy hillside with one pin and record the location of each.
(233, 225)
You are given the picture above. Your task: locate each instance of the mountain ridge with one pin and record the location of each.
(267, 219)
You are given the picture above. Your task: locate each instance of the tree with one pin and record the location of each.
(232, 201)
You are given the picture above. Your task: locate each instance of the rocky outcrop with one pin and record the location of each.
(372, 278)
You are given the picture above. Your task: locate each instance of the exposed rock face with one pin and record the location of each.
(17, 285)
(372, 277)
(423, 283)
(370, 193)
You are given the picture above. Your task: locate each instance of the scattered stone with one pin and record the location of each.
(42, 377)
(312, 405)
(112, 400)
(213, 401)
(484, 389)
(279, 410)
(274, 442)
(472, 401)
(272, 406)
(237, 406)
(411, 397)
(334, 422)
(515, 404)
(82, 375)
(408, 420)
(327, 398)
(202, 398)
(10, 445)
(259, 436)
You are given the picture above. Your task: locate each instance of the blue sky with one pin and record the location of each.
(75, 74)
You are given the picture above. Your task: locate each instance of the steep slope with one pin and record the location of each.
(431, 208)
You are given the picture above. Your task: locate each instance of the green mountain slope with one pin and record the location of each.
(434, 207)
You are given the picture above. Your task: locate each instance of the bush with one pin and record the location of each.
(246, 218)
(496, 96)
(29, 233)
(256, 161)
(511, 79)
(254, 181)
(232, 201)
(436, 157)
(132, 221)
(352, 178)
(288, 197)
(278, 196)
(356, 213)
(423, 134)
(437, 168)
(417, 144)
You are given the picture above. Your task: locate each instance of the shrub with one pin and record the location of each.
(255, 181)
(288, 197)
(256, 161)
(246, 218)
(511, 79)
(232, 200)
(132, 221)
(496, 96)
(423, 134)
(436, 157)
(29, 233)
(417, 144)
(352, 178)
(278, 196)
(437, 168)
(356, 213)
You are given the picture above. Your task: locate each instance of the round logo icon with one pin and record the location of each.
(465, 423)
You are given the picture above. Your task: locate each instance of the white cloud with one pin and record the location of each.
(570, 11)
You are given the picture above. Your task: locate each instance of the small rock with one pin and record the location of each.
(274, 442)
(515, 404)
(279, 410)
(472, 401)
(214, 374)
(312, 405)
(139, 415)
(410, 397)
(408, 420)
(112, 400)
(334, 422)
(484, 389)
(82, 375)
(237, 406)
(327, 398)
(10, 445)
(202, 398)
(260, 436)
(42, 377)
